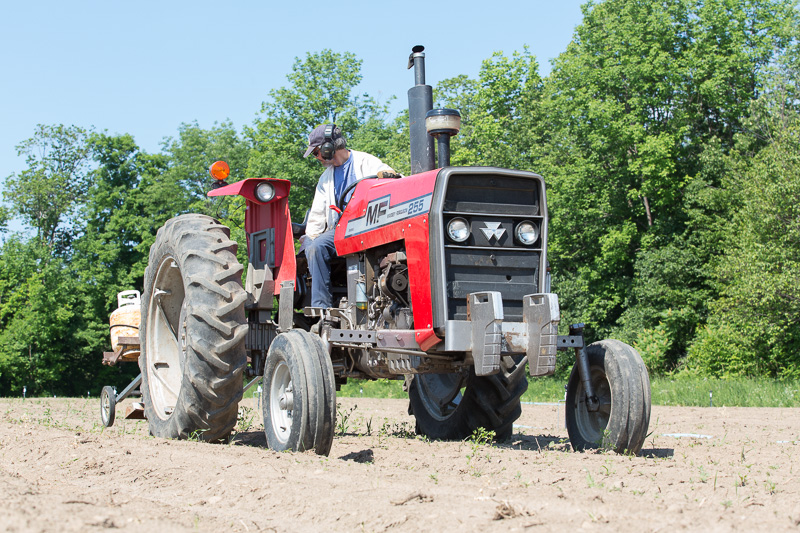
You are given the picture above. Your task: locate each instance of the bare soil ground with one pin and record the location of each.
(702, 469)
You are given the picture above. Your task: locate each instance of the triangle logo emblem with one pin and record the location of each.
(493, 231)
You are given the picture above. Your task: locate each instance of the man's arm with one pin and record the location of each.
(371, 165)
(317, 219)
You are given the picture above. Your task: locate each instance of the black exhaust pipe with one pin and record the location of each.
(420, 101)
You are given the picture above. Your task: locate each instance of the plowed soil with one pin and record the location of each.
(701, 469)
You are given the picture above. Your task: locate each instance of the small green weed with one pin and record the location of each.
(196, 435)
(480, 437)
(343, 420)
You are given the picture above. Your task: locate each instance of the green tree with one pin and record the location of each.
(642, 111)
(321, 90)
(5, 216)
(754, 323)
(38, 296)
(190, 155)
(47, 192)
(118, 223)
(500, 112)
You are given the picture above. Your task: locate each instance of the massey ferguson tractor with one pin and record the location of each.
(442, 280)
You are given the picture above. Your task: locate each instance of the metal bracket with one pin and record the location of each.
(567, 342)
(129, 389)
(485, 311)
(582, 362)
(260, 287)
(352, 336)
(542, 315)
(286, 306)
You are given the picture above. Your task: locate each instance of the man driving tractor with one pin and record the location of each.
(343, 168)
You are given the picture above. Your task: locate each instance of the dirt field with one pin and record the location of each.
(701, 469)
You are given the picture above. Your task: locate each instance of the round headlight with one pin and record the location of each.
(265, 192)
(527, 232)
(458, 230)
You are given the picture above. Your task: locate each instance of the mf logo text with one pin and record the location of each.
(376, 211)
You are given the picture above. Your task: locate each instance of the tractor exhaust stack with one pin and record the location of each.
(420, 101)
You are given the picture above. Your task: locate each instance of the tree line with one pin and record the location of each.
(668, 134)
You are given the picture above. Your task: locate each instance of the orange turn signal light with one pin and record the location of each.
(219, 170)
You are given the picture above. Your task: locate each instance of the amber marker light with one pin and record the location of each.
(219, 170)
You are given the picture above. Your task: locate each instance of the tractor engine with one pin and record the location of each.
(389, 306)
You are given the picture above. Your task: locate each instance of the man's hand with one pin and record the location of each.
(388, 175)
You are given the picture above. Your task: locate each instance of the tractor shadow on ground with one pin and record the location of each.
(364, 456)
(657, 453)
(538, 443)
(257, 439)
(542, 443)
(254, 438)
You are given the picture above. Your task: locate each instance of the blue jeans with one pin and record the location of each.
(319, 253)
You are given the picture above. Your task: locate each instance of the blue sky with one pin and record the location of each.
(146, 67)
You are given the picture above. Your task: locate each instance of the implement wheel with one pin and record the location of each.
(622, 385)
(453, 406)
(108, 406)
(192, 330)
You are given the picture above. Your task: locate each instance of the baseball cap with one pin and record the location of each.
(316, 138)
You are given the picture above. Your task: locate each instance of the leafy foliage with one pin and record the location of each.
(759, 304)
(54, 183)
(320, 91)
(668, 133)
(644, 106)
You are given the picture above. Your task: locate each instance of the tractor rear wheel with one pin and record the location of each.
(300, 406)
(622, 385)
(192, 331)
(453, 406)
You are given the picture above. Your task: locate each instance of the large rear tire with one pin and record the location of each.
(300, 406)
(620, 381)
(453, 406)
(192, 331)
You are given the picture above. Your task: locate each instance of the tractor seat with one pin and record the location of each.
(299, 228)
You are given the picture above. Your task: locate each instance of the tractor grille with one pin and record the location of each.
(491, 258)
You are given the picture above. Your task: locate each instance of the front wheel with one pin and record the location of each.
(622, 385)
(300, 406)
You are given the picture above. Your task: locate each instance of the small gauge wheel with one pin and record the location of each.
(108, 406)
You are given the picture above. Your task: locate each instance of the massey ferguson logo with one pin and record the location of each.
(493, 231)
(381, 212)
(376, 210)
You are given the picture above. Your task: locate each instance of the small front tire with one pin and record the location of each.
(622, 385)
(300, 405)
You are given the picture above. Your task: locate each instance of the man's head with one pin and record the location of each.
(325, 141)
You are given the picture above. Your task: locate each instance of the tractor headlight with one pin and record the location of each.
(265, 192)
(458, 230)
(527, 232)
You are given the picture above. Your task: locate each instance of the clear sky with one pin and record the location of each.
(145, 67)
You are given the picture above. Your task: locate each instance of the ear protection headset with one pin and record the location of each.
(327, 148)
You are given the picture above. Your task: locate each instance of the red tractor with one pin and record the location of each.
(443, 281)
